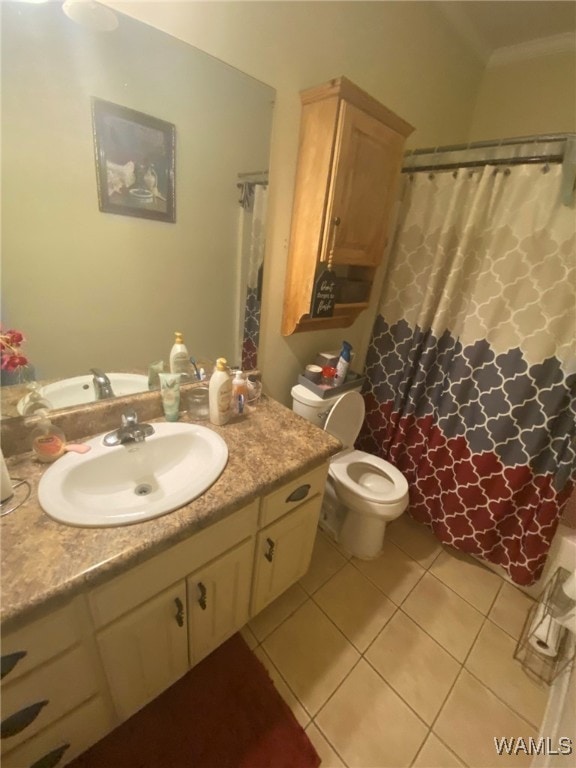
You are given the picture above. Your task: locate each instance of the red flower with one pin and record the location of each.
(11, 357)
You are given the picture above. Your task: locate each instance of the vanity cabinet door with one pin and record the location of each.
(146, 650)
(218, 600)
(283, 552)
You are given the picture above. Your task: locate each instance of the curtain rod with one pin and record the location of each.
(534, 139)
(534, 159)
(515, 151)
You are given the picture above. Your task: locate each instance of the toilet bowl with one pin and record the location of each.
(364, 492)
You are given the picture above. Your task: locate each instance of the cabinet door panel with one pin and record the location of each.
(146, 650)
(34, 701)
(218, 600)
(283, 552)
(367, 163)
(65, 739)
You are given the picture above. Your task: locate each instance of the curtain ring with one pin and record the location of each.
(431, 176)
(507, 171)
(545, 168)
(454, 174)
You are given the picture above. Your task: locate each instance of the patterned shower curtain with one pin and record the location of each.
(254, 225)
(471, 368)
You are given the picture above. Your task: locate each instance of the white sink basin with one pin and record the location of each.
(126, 484)
(79, 390)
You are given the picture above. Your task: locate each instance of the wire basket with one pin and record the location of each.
(546, 647)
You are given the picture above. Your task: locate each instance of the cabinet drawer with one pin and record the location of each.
(139, 584)
(64, 740)
(289, 496)
(38, 699)
(35, 643)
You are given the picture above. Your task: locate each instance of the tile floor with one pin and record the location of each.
(402, 661)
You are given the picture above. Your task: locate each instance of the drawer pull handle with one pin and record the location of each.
(270, 554)
(9, 662)
(179, 612)
(202, 598)
(52, 758)
(20, 720)
(300, 493)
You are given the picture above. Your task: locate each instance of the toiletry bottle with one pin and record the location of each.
(48, 441)
(170, 393)
(220, 394)
(239, 392)
(179, 355)
(343, 364)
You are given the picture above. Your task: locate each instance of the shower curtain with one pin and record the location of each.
(471, 367)
(253, 228)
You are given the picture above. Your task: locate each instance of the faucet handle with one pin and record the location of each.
(129, 418)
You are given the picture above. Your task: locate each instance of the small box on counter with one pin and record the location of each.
(327, 359)
(324, 390)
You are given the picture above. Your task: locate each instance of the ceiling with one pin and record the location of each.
(488, 25)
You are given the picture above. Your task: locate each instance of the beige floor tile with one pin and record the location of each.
(492, 661)
(511, 609)
(311, 655)
(355, 605)
(415, 539)
(368, 723)
(274, 614)
(325, 562)
(449, 619)
(472, 718)
(281, 686)
(329, 758)
(468, 578)
(435, 755)
(419, 669)
(394, 572)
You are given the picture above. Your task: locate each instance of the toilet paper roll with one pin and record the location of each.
(6, 491)
(545, 633)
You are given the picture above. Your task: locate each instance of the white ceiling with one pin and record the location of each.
(489, 25)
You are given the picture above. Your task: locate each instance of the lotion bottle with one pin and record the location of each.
(179, 355)
(220, 394)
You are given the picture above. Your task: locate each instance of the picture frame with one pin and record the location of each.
(135, 162)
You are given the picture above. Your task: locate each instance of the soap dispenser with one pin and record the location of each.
(48, 441)
(220, 394)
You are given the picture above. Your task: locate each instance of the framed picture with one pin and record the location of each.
(135, 166)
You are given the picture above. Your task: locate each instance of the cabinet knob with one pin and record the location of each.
(202, 598)
(9, 661)
(300, 493)
(20, 720)
(179, 612)
(51, 758)
(269, 555)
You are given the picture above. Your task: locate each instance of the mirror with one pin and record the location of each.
(92, 289)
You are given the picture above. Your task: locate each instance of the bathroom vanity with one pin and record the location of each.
(97, 622)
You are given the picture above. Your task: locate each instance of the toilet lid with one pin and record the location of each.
(345, 419)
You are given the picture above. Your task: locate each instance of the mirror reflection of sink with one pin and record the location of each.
(124, 484)
(79, 390)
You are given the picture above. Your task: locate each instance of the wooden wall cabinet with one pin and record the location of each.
(349, 161)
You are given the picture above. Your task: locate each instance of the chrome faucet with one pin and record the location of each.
(131, 431)
(102, 385)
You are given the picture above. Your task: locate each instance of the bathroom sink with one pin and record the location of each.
(79, 390)
(124, 484)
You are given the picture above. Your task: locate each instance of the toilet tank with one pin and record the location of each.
(312, 407)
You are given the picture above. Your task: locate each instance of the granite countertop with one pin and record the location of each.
(44, 562)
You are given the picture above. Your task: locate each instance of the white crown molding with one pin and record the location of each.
(544, 46)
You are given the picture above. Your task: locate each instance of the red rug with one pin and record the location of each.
(224, 713)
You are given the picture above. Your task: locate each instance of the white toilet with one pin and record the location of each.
(363, 492)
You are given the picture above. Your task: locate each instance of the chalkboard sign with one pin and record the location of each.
(324, 295)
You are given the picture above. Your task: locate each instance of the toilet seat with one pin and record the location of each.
(345, 419)
(369, 477)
